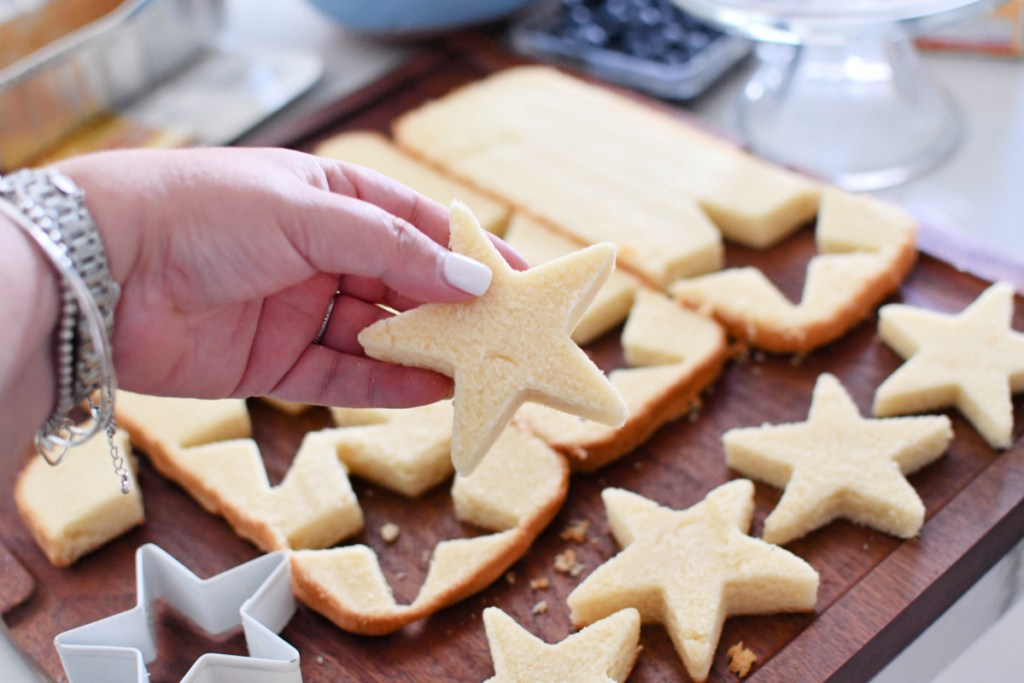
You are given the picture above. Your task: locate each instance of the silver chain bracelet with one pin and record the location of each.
(51, 209)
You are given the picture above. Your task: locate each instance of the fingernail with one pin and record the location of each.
(466, 274)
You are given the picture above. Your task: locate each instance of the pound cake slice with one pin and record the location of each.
(602, 166)
(691, 569)
(610, 307)
(865, 249)
(603, 652)
(973, 360)
(676, 354)
(377, 152)
(77, 507)
(513, 494)
(508, 346)
(839, 464)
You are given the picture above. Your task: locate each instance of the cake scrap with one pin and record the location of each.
(691, 569)
(839, 464)
(508, 346)
(866, 247)
(603, 652)
(78, 507)
(407, 450)
(513, 494)
(973, 360)
(205, 447)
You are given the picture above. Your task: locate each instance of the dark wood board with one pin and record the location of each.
(877, 592)
(16, 584)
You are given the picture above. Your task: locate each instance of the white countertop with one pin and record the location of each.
(976, 192)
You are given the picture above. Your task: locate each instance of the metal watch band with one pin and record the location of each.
(55, 203)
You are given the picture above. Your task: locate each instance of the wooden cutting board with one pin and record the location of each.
(877, 592)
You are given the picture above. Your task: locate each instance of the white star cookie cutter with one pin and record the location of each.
(256, 595)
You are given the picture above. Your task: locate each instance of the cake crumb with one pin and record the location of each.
(541, 607)
(741, 659)
(566, 563)
(390, 532)
(510, 578)
(539, 584)
(565, 560)
(576, 531)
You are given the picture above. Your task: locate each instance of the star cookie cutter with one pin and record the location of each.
(256, 595)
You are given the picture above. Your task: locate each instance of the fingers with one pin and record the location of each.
(393, 197)
(343, 235)
(401, 201)
(323, 376)
(375, 291)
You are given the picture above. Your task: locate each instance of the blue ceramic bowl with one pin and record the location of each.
(403, 17)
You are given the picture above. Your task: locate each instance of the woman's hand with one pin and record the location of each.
(228, 260)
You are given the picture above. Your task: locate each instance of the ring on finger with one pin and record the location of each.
(318, 339)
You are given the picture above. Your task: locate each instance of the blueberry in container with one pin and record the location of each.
(649, 45)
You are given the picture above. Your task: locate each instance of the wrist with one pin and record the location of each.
(28, 318)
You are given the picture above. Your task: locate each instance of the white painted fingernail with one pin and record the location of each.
(466, 274)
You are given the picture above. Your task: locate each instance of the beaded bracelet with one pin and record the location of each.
(51, 209)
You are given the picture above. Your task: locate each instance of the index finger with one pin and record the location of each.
(424, 213)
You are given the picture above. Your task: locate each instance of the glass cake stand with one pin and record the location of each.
(838, 91)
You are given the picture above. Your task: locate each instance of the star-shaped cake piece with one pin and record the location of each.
(691, 569)
(540, 244)
(839, 464)
(508, 346)
(673, 354)
(604, 652)
(973, 360)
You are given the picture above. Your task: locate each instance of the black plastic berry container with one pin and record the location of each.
(648, 45)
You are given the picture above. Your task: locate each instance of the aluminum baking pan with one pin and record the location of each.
(98, 68)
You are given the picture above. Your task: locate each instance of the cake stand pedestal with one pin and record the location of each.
(838, 91)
